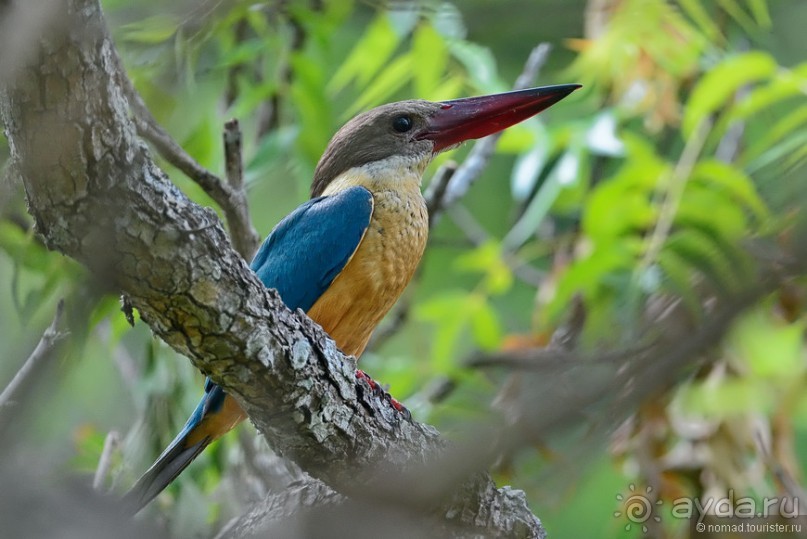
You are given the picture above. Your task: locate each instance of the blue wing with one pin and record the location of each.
(300, 258)
(310, 247)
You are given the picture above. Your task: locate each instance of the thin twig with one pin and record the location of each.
(233, 161)
(44, 349)
(729, 147)
(232, 199)
(482, 151)
(785, 478)
(242, 232)
(436, 191)
(730, 144)
(675, 190)
(439, 389)
(396, 320)
(567, 336)
(111, 443)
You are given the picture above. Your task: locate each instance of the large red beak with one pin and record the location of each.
(475, 117)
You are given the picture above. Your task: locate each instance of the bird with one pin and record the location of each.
(346, 255)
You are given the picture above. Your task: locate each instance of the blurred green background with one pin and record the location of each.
(570, 205)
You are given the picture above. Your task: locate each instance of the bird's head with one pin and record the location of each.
(408, 134)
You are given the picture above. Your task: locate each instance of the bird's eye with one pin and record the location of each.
(402, 124)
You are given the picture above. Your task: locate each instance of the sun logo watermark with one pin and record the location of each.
(638, 508)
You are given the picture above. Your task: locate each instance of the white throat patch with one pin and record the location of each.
(394, 172)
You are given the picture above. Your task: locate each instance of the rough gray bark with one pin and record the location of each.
(338, 516)
(97, 196)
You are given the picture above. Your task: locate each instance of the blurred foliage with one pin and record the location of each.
(687, 142)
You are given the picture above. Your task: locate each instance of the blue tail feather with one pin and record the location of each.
(179, 453)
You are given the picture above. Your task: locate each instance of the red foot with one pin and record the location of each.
(361, 375)
(379, 392)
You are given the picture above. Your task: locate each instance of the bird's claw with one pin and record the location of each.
(381, 393)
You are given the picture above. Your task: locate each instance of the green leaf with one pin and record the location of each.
(487, 259)
(391, 79)
(251, 96)
(729, 398)
(759, 9)
(679, 280)
(733, 181)
(371, 52)
(704, 252)
(312, 106)
(616, 208)
(271, 151)
(31, 255)
(521, 137)
(562, 176)
(151, 30)
(769, 347)
(796, 159)
(800, 411)
(202, 143)
(783, 128)
(738, 14)
(335, 12)
(89, 444)
(480, 64)
(485, 325)
(447, 20)
(449, 313)
(591, 275)
(257, 21)
(784, 150)
(432, 56)
(243, 52)
(786, 84)
(719, 84)
(706, 209)
(449, 88)
(695, 10)
(40, 296)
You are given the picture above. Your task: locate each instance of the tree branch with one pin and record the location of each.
(96, 195)
(230, 197)
(232, 154)
(111, 443)
(51, 339)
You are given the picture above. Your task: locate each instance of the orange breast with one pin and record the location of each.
(377, 273)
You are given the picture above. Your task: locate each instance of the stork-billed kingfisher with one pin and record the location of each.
(345, 256)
